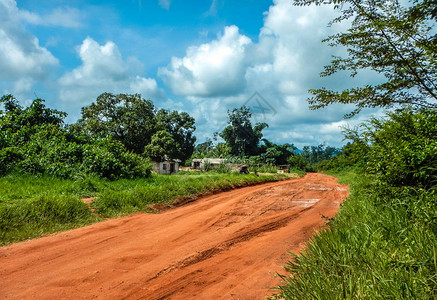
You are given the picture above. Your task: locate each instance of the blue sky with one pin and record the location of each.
(203, 57)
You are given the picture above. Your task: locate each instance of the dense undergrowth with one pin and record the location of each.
(34, 205)
(383, 242)
(381, 245)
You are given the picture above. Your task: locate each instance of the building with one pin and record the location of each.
(210, 163)
(166, 167)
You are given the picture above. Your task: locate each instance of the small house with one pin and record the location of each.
(210, 163)
(166, 167)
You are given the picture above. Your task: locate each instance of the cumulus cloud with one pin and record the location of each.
(103, 69)
(21, 56)
(212, 69)
(281, 66)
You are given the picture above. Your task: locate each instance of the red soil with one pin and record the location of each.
(225, 246)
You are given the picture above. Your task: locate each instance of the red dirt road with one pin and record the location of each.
(225, 246)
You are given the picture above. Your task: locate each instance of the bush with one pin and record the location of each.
(8, 156)
(403, 148)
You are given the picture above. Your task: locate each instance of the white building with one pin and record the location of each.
(166, 167)
(199, 163)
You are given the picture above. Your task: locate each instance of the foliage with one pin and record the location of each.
(207, 149)
(381, 245)
(133, 121)
(33, 141)
(274, 154)
(383, 242)
(315, 154)
(181, 128)
(297, 161)
(242, 138)
(162, 189)
(396, 41)
(313, 157)
(162, 145)
(403, 148)
(127, 118)
(202, 149)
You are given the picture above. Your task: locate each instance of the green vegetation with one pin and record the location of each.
(383, 242)
(134, 122)
(34, 205)
(240, 136)
(392, 38)
(34, 141)
(381, 245)
(244, 144)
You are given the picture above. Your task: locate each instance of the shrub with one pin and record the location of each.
(403, 148)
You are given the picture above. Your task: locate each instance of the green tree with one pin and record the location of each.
(14, 116)
(203, 148)
(33, 140)
(181, 128)
(127, 118)
(315, 154)
(402, 148)
(240, 135)
(162, 145)
(398, 42)
(272, 153)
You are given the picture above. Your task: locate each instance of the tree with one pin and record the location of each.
(240, 135)
(127, 118)
(36, 114)
(315, 154)
(398, 42)
(17, 124)
(133, 121)
(33, 140)
(162, 146)
(181, 128)
(275, 154)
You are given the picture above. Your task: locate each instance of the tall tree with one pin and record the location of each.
(128, 118)
(240, 135)
(181, 128)
(397, 41)
(17, 124)
(276, 154)
(161, 147)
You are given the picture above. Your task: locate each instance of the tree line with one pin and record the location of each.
(116, 137)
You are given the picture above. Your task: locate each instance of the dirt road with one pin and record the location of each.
(225, 246)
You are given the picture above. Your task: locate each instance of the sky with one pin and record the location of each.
(203, 57)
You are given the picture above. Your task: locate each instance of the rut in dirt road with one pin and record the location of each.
(225, 246)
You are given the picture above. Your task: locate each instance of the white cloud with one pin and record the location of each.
(64, 17)
(281, 66)
(165, 4)
(103, 69)
(213, 69)
(61, 16)
(21, 56)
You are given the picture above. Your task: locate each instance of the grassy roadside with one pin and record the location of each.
(381, 245)
(32, 206)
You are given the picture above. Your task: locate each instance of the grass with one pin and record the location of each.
(33, 206)
(381, 245)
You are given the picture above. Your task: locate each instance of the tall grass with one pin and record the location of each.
(381, 245)
(163, 189)
(31, 206)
